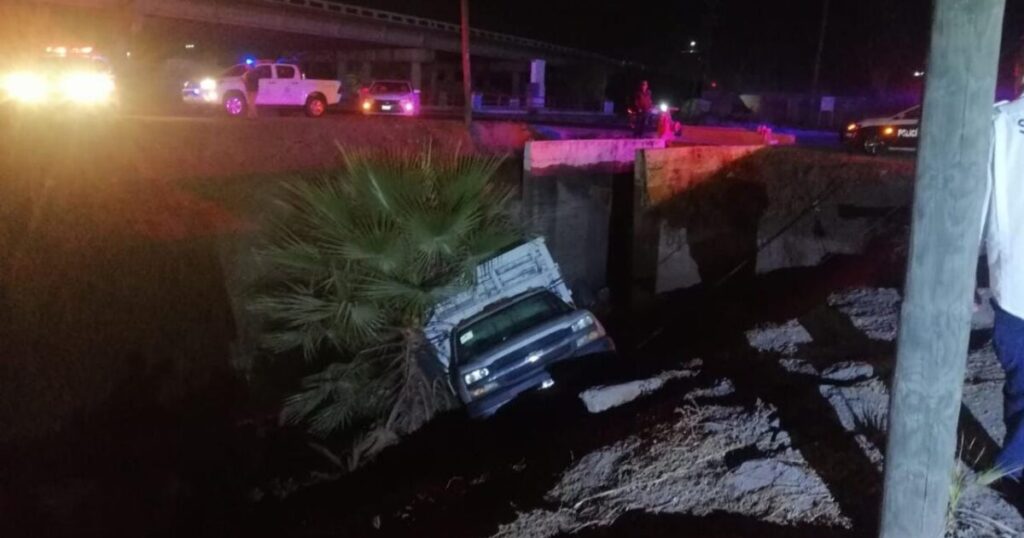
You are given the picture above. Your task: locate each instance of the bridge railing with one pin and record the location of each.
(431, 24)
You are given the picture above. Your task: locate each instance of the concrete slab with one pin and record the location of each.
(609, 155)
(670, 171)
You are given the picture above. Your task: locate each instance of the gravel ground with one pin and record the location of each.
(716, 457)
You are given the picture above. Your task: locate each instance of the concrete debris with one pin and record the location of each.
(784, 339)
(721, 389)
(798, 366)
(848, 371)
(873, 311)
(601, 399)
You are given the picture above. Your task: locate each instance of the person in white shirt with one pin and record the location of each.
(1003, 230)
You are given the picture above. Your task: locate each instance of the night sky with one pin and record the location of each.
(871, 44)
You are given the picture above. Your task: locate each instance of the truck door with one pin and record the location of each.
(288, 85)
(267, 94)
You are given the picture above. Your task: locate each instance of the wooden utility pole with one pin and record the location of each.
(467, 73)
(821, 49)
(935, 319)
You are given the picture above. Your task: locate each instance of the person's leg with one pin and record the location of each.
(1008, 339)
(250, 103)
(641, 123)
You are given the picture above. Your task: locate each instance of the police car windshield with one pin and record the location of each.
(478, 337)
(389, 87)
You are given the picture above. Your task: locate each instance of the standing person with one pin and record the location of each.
(642, 105)
(1004, 242)
(252, 89)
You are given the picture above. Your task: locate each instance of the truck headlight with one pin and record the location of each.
(582, 323)
(25, 87)
(476, 375)
(88, 88)
(593, 330)
(208, 84)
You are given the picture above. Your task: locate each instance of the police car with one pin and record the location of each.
(879, 135)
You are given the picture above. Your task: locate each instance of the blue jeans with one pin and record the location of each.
(1008, 339)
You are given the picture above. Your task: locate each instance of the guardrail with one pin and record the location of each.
(431, 24)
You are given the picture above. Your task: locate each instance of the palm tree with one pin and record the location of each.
(357, 262)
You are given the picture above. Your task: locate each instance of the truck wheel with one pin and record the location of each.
(316, 106)
(235, 105)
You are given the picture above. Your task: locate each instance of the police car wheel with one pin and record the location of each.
(234, 104)
(873, 146)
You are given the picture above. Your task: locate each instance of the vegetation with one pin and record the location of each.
(357, 261)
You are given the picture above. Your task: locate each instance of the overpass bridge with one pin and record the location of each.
(371, 37)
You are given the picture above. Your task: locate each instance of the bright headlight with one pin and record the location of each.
(582, 323)
(663, 107)
(88, 87)
(476, 375)
(25, 87)
(208, 84)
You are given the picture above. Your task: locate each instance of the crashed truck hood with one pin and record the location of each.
(524, 268)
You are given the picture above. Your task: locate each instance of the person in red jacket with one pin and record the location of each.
(642, 105)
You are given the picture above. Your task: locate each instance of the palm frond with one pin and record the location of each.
(357, 258)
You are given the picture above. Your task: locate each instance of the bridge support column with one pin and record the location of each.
(537, 68)
(416, 75)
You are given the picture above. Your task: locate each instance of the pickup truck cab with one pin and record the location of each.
(281, 85)
(498, 339)
(393, 97)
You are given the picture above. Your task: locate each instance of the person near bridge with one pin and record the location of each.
(642, 104)
(252, 88)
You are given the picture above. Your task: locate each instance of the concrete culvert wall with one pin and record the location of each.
(578, 195)
(710, 214)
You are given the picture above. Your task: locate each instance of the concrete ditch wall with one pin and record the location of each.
(577, 194)
(711, 214)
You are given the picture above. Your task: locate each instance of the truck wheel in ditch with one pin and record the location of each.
(234, 104)
(316, 106)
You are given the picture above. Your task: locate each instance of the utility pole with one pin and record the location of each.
(821, 48)
(935, 319)
(467, 76)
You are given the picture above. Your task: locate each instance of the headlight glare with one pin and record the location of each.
(87, 88)
(476, 375)
(25, 87)
(582, 323)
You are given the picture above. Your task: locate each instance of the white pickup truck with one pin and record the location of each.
(502, 337)
(280, 86)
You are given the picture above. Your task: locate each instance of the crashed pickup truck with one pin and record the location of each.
(498, 339)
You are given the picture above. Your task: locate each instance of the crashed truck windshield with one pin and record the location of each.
(506, 323)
